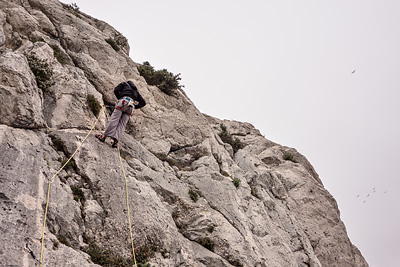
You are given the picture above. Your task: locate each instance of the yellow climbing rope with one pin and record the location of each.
(127, 196)
(127, 204)
(48, 188)
(65, 164)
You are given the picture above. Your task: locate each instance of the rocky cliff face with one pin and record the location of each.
(277, 213)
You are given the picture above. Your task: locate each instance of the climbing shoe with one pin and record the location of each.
(115, 144)
(101, 137)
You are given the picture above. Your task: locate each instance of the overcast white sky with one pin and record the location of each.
(286, 67)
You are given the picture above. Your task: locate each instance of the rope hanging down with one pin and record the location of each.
(127, 196)
(48, 188)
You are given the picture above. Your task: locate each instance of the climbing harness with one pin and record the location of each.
(127, 196)
(127, 101)
(131, 103)
(49, 183)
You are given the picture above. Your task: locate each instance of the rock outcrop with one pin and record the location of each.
(195, 201)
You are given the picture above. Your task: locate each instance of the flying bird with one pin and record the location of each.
(358, 195)
(353, 71)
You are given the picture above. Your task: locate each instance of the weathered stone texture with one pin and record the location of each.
(279, 215)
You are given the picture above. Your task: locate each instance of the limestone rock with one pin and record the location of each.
(21, 99)
(194, 200)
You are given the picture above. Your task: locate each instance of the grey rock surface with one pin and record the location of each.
(279, 214)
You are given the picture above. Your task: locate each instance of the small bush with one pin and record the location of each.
(120, 40)
(58, 54)
(113, 44)
(105, 257)
(166, 81)
(79, 196)
(73, 8)
(289, 156)
(41, 69)
(193, 195)
(254, 192)
(236, 182)
(206, 242)
(93, 104)
(58, 143)
(143, 253)
(227, 138)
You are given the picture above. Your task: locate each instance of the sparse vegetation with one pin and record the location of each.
(288, 156)
(41, 69)
(166, 81)
(58, 54)
(206, 242)
(227, 138)
(70, 165)
(236, 182)
(113, 43)
(105, 257)
(193, 195)
(73, 8)
(254, 192)
(79, 196)
(58, 143)
(120, 40)
(93, 104)
(143, 253)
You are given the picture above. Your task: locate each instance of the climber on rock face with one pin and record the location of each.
(129, 99)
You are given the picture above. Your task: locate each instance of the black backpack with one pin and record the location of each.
(118, 89)
(123, 88)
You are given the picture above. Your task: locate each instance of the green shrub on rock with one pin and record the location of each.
(236, 182)
(93, 104)
(166, 81)
(227, 138)
(41, 69)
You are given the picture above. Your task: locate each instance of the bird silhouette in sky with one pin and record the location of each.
(354, 71)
